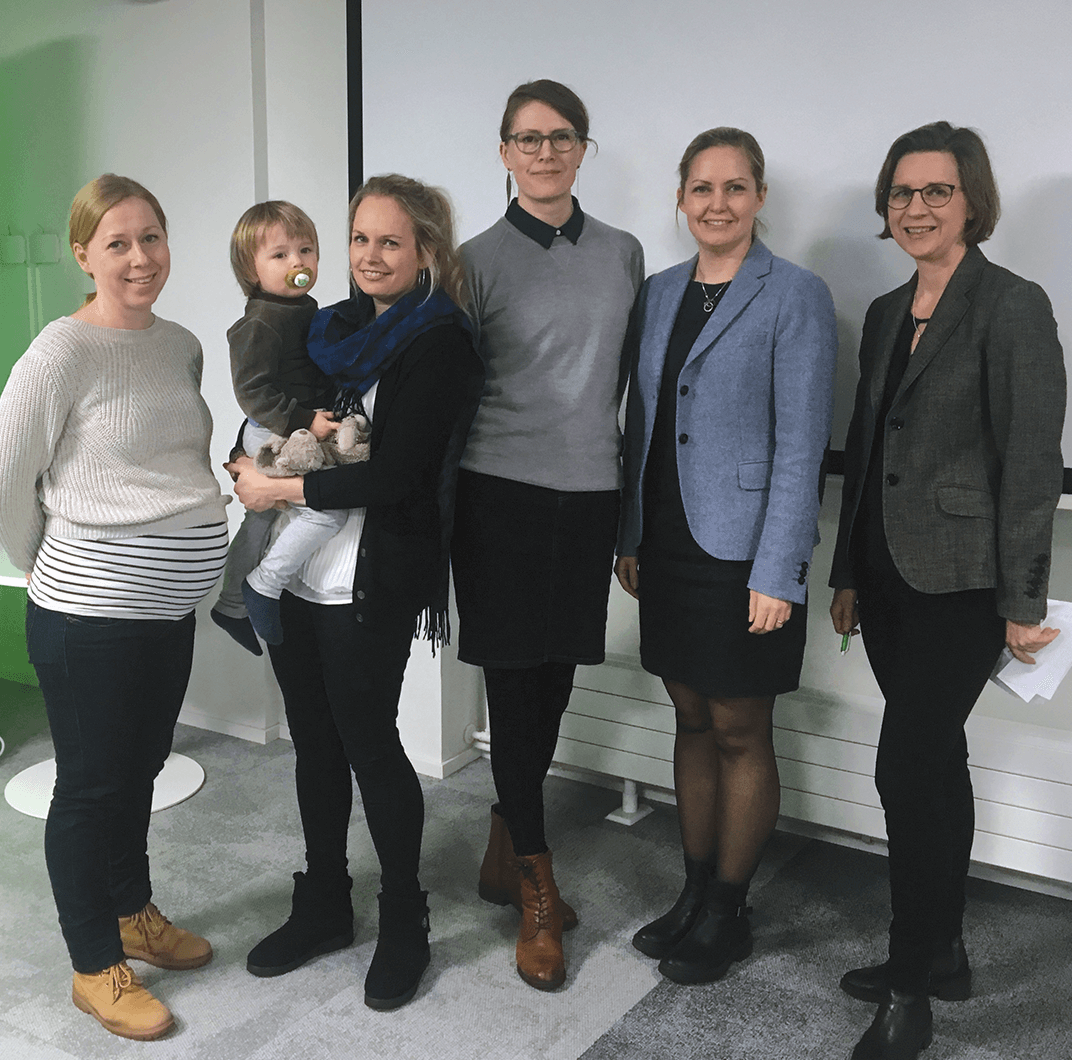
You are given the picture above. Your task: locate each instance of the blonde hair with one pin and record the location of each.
(251, 229)
(95, 199)
(429, 211)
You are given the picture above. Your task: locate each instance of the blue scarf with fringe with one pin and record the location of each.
(355, 347)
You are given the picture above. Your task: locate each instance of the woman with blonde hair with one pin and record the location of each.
(109, 503)
(401, 350)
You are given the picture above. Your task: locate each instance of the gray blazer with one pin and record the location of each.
(972, 465)
(753, 418)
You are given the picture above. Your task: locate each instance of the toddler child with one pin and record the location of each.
(274, 255)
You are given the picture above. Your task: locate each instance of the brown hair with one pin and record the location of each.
(726, 136)
(973, 170)
(557, 96)
(95, 199)
(251, 229)
(430, 213)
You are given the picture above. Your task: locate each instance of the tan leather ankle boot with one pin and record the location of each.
(540, 961)
(149, 936)
(500, 881)
(116, 999)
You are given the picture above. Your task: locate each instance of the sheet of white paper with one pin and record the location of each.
(1052, 663)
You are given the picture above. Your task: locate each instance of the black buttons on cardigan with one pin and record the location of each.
(893, 479)
(896, 423)
(362, 553)
(360, 594)
(683, 391)
(360, 617)
(682, 438)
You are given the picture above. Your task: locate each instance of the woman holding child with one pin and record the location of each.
(109, 503)
(401, 353)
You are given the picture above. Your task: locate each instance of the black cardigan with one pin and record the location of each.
(425, 404)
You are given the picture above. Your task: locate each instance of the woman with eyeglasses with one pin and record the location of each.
(730, 400)
(953, 469)
(537, 512)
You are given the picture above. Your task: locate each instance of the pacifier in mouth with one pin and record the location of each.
(299, 278)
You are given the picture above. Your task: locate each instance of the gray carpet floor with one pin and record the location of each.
(222, 863)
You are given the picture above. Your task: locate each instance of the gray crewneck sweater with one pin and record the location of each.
(551, 324)
(104, 435)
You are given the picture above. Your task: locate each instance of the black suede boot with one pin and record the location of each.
(658, 938)
(321, 920)
(900, 1031)
(720, 935)
(402, 951)
(949, 978)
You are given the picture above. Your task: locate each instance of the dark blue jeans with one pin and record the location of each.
(113, 689)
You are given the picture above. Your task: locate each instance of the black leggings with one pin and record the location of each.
(931, 655)
(341, 680)
(525, 708)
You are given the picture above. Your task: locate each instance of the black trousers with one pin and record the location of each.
(113, 688)
(931, 655)
(341, 679)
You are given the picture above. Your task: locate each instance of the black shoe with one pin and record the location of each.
(901, 1029)
(658, 938)
(720, 935)
(402, 951)
(950, 977)
(321, 921)
(241, 629)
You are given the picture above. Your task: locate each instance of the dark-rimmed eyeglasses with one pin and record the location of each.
(934, 195)
(529, 141)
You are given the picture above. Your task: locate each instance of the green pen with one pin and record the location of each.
(846, 641)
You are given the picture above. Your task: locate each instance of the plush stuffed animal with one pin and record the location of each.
(301, 452)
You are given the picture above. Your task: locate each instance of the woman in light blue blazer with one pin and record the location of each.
(733, 356)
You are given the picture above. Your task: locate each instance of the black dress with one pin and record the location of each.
(694, 606)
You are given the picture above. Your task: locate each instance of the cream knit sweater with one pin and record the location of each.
(104, 435)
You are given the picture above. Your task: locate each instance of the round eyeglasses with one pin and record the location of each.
(934, 195)
(529, 141)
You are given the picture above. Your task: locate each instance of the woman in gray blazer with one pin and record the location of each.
(952, 472)
(728, 416)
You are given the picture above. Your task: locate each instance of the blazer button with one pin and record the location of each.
(360, 617)
(362, 553)
(683, 391)
(361, 594)
(896, 423)
(682, 438)
(893, 479)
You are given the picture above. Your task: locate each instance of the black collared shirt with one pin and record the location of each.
(540, 231)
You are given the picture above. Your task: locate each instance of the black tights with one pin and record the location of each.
(341, 681)
(525, 708)
(725, 779)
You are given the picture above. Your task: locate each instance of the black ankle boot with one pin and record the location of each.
(658, 938)
(402, 951)
(900, 1031)
(321, 920)
(949, 979)
(720, 935)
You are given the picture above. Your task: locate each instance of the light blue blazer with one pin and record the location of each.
(754, 422)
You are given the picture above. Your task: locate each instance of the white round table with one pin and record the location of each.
(30, 791)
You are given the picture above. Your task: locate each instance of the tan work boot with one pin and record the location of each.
(500, 880)
(116, 999)
(149, 936)
(540, 961)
